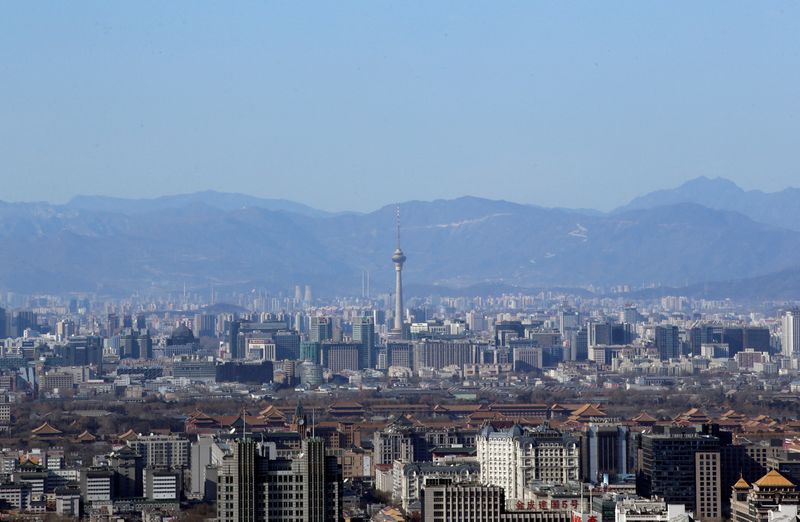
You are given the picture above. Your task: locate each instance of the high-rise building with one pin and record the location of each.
(604, 451)
(84, 350)
(309, 351)
(398, 354)
(235, 350)
(127, 465)
(23, 320)
(703, 334)
(236, 485)
(599, 334)
(757, 338)
(410, 476)
(163, 451)
(320, 329)
(341, 356)
(403, 440)
(708, 486)
(667, 342)
(135, 345)
(516, 458)
(112, 324)
(364, 333)
(439, 354)
(568, 319)
(4, 330)
(162, 484)
(97, 485)
(668, 463)
(734, 338)
(65, 329)
(253, 485)
(204, 325)
(287, 345)
(629, 315)
(790, 333)
(579, 345)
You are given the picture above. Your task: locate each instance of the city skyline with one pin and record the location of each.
(211, 309)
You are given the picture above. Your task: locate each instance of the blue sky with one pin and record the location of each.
(352, 105)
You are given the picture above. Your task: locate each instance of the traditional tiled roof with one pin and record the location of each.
(198, 415)
(128, 435)
(774, 479)
(692, 416)
(346, 404)
(482, 415)
(45, 429)
(271, 412)
(732, 414)
(86, 437)
(230, 421)
(644, 417)
(741, 484)
(588, 410)
(457, 408)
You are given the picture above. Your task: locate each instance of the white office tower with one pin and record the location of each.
(790, 333)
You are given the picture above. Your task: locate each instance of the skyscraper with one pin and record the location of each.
(3, 324)
(254, 486)
(667, 342)
(668, 463)
(790, 338)
(320, 329)
(364, 333)
(398, 259)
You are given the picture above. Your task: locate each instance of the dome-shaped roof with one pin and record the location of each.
(181, 335)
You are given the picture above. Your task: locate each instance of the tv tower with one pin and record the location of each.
(398, 259)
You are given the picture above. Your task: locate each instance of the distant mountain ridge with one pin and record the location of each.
(116, 247)
(220, 200)
(780, 209)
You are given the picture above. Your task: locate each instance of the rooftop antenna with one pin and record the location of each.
(313, 423)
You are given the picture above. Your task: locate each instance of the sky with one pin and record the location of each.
(354, 105)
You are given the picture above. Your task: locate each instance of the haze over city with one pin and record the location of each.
(399, 262)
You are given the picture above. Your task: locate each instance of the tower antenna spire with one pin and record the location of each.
(397, 222)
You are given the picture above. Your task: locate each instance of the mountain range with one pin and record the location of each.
(780, 209)
(704, 234)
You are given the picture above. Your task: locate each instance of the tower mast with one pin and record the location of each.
(398, 259)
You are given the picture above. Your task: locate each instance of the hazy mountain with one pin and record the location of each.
(780, 208)
(449, 243)
(211, 198)
(781, 285)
